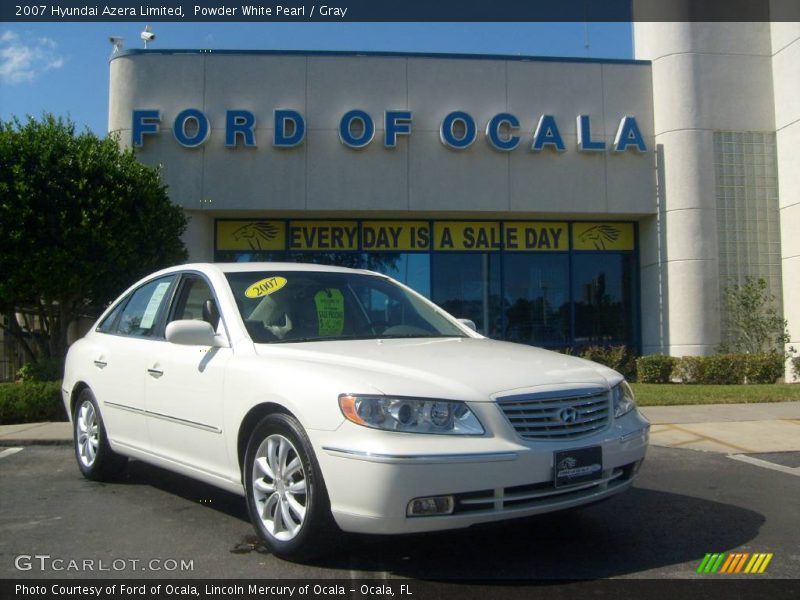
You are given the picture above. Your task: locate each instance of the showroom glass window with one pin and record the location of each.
(570, 298)
(536, 300)
(603, 298)
(467, 285)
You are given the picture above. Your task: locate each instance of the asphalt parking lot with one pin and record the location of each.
(685, 504)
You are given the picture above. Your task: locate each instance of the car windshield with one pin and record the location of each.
(304, 306)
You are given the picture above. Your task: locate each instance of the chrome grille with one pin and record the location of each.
(557, 415)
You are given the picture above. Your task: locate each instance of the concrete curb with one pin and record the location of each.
(33, 442)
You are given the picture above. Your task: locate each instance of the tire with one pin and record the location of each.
(96, 460)
(290, 512)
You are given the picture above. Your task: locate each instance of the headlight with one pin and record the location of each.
(624, 401)
(410, 415)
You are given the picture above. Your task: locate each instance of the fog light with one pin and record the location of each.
(435, 505)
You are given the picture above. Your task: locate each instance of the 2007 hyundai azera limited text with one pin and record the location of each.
(335, 398)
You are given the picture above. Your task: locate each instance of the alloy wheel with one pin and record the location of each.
(88, 434)
(280, 487)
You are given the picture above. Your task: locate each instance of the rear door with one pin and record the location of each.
(120, 360)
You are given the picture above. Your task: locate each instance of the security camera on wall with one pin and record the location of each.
(147, 35)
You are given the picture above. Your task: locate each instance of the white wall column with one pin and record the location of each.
(707, 77)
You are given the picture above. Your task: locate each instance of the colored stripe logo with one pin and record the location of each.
(734, 562)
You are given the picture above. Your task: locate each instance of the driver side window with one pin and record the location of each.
(195, 301)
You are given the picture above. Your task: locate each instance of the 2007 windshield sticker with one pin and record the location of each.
(330, 312)
(265, 287)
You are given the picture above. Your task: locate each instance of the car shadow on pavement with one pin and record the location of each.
(140, 473)
(640, 530)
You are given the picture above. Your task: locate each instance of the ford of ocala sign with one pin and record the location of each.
(458, 130)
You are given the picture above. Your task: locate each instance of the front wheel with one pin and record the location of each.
(96, 459)
(286, 496)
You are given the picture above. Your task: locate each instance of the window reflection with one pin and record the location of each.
(536, 294)
(603, 295)
(468, 287)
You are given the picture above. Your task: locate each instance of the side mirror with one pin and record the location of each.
(191, 332)
(468, 323)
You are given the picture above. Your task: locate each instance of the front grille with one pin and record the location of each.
(555, 416)
(538, 495)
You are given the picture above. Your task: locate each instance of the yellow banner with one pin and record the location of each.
(251, 235)
(467, 235)
(534, 235)
(323, 235)
(602, 236)
(409, 236)
(395, 235)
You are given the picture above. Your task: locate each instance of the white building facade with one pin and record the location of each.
(558, 202)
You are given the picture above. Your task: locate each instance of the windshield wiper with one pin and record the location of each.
(414, 335)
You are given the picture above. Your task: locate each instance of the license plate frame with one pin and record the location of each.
(577, 465)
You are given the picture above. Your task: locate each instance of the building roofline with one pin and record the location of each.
(380, 54)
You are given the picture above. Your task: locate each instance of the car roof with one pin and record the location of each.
(271, 266)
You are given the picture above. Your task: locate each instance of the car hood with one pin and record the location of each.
(475, 369)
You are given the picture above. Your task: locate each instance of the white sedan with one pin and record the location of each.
(336, 399)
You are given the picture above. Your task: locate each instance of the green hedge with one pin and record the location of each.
(654, 368)
(619, 358)
(46, 369)
(728, 369)
(31, 402)
(765, 367)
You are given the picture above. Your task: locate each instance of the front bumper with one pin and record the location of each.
(372, 478)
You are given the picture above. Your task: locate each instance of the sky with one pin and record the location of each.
(62, 68)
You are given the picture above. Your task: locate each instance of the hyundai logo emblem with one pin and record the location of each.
(568, 415)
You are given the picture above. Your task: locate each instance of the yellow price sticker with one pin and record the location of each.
(265, 287)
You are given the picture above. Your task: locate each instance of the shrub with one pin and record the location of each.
(28, 402)
(764, 367)
(796, 367)
(689, 369)
(655, 368)
(619, 358)
(46, 369)
(724, 369)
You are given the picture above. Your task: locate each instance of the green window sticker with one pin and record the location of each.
(330, 312)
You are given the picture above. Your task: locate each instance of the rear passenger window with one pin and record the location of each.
(141, 313)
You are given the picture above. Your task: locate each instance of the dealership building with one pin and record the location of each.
(556, 202)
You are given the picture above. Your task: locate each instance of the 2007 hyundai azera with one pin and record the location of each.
(334, 398)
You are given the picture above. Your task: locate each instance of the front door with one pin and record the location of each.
(184, 387)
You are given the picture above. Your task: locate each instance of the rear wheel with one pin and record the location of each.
(286, 497)
(96, 459)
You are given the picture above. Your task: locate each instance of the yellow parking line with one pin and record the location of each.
(692, 441)
(712, 439)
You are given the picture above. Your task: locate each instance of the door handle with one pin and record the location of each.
(100, 364)
(155, 372)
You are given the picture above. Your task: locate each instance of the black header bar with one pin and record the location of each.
(399, 11)
(396, 589)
